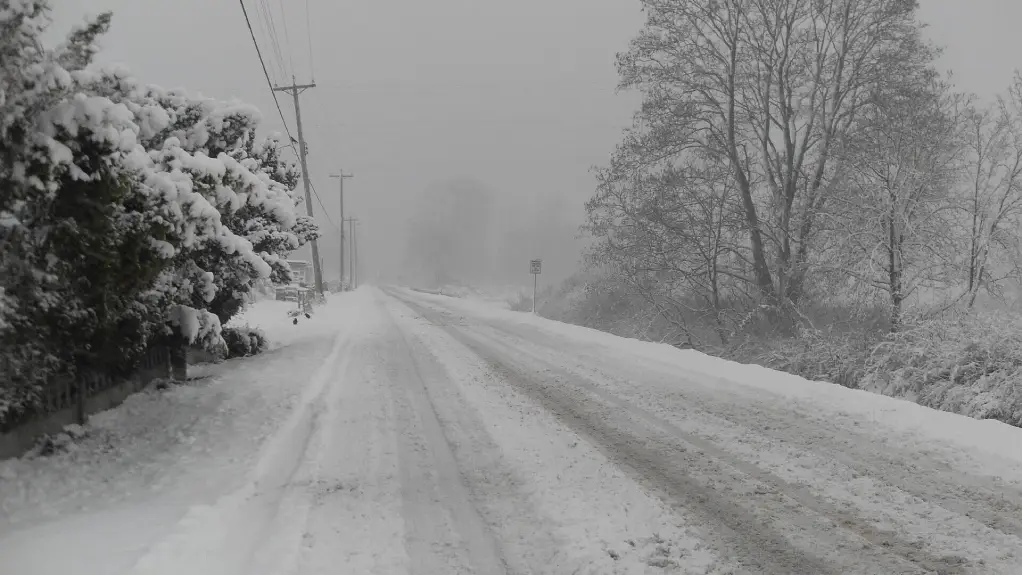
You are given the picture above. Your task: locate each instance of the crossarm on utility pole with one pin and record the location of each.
(293, 87)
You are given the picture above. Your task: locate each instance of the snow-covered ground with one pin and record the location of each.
(146, 462)
(271, 316)
(398, 432)
(498, 296)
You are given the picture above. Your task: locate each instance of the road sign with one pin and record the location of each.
(535, 268)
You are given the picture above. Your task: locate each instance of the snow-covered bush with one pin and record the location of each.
(821, 355)
(598, 300)
(244, 341)
(77, 213)
(520, 302)
(964, 363)
(961, 362)
(128, 214)
(244, 180)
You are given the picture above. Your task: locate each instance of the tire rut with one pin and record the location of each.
(694, 474)
(997, 506)
(497, 491)
(430, 476)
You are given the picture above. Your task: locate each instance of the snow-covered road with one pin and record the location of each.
(426, 435)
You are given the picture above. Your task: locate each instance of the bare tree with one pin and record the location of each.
(895, 217)
(991, 201)
(674, 236)
(774, 87)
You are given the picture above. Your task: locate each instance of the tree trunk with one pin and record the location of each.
(975, 284)
(894, 272)
(797, 281)
(761, 270)
(760, 267)
(896, 302)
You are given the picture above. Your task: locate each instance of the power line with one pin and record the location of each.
(287, 36)
(267, 25)
(325, 212)
(275, 43)
(532, 84)
(263, 30)
(265, 73)
(271, 33)
(322, 110)
(267, 15)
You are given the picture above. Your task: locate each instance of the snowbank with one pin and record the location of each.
(886, 416)
(126, 484)
(498, 296)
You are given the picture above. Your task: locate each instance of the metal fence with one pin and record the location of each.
(73, 393)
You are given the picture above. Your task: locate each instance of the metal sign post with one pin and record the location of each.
(535, 267)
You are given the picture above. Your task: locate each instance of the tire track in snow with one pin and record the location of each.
(988, 501)
(499, 491)
(278, 548)
(655, 463)
(901, 489)
(650, 463)
(225, 537)
(353, 486)
(697, 484)
(430, 475)
(558, 505)
(387, 494)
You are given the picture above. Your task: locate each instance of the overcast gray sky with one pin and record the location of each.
(519, 95)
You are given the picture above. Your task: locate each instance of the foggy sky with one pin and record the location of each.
(519, 96)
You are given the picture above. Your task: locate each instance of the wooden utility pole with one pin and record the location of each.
(340, 175)
(295, 89)
(352, 254)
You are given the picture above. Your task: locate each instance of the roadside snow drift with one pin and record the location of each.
(163, 455)
(926, 426)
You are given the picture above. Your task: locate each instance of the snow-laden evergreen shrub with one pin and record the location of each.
(78, 215)
(244, 341)
(128, 214)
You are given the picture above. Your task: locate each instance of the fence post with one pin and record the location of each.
(81, 386)
(179, 362)
(165, 362)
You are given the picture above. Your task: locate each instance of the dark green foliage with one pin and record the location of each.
(244, 341)
(74, 250)
(129, 215)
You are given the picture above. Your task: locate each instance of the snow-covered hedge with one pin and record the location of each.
(244, 341)
(128, 213)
